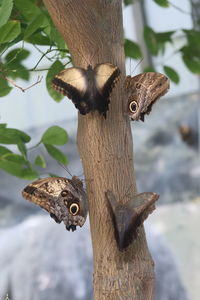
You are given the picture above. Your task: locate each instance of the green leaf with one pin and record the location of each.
(55, 68)
(5, 11)
(164, 37)
(132, 49)
(56, 154)
(18, 54)
(55, 36)
(55, 135)
(22, 148)
(193, 38)
(149, 69)
(172, 74)
(27, 8)
(13, 136)
(38, 22)
(38, 39)
(3, 125)
(9, 31)
(4, 87)
(163, 3)
(18, 159)
(128, 2)
(151, 40)
(191, 58)
(4, 150)
(17, 169)
(40, 161)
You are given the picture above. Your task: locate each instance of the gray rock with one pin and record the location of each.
(40, 260)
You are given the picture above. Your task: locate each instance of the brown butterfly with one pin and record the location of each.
(64, 199)
(129, 216)
(143, 91)
(89, 88)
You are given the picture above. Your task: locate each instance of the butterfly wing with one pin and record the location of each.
(106, 76)
(72, 83)
(44, 192)
(143, 90)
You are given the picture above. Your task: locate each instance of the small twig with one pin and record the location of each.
(39, 79)
(180, 9)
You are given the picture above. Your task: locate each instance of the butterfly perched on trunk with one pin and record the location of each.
(64, 199)
(90, 88)
(143, 90)
(128, 217)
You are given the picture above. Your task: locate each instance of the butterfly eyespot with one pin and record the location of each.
(74, 209)
(64, 193)
(133, 106)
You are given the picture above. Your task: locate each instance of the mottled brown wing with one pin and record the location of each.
(44, 192)
(143, 90)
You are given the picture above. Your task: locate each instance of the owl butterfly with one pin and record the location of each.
(128, 217)
(64, 199)
(89, 89)
(143, 91)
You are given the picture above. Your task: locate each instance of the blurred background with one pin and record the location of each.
(38, 258)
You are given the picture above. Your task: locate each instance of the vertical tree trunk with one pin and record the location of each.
(93, 31)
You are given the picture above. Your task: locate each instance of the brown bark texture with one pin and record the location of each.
(93, 31)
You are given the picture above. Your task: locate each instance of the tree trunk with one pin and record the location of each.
(93, 31)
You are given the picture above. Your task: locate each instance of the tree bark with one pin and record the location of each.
(93, 31)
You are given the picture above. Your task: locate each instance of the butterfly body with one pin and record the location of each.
(143, 91)
(90, 88)
(64, 199)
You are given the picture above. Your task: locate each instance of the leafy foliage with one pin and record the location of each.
(19, 164)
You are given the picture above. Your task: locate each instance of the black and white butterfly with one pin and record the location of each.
(90, 88)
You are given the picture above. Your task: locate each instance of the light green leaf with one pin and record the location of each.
(38, 39)
(17, 169)
(9, 31)
(151, 40)
(3, 125)
(38, 22)
(149, 69)
(55, 135)
(132, 49)
(4, 150)
(172, 74)
(56, 154)
(13, 136)
(55, 68)
(4, 87)
(22, 148)
(18, 54)
(40, 161)
(27, 8)
(5, 11)
(163, 3)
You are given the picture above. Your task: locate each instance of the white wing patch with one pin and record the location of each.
(74, 77)
(102, 74)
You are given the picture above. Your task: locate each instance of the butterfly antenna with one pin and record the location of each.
(66, 169)
(137, 65)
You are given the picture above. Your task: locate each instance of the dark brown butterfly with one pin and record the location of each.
(89, 89)
(64, 199)
(143, 90)
(129, 216)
